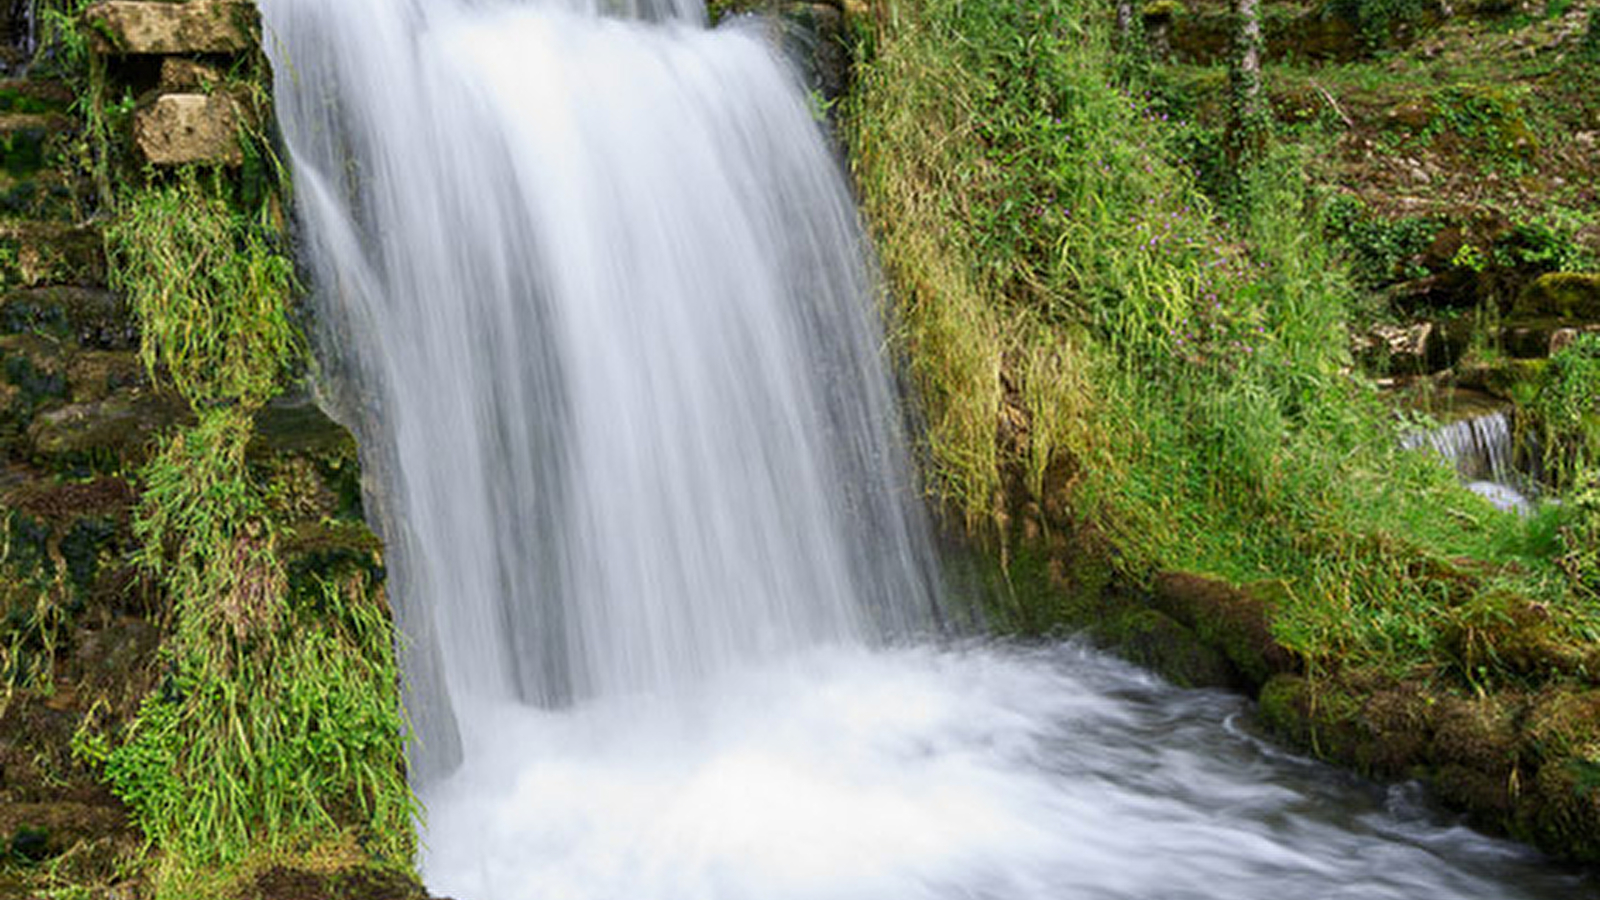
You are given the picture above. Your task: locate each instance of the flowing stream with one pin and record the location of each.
(596, 302)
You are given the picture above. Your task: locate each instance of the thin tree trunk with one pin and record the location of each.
(1249, 108)
(1124, 21)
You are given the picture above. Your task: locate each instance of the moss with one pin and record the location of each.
(112, 435)
(1161, 9)
(1563, 725)
(1233, 620)
(1564, 811)
(88, 317)
(1156, 641)
(1567, 295)
(1478, 733)
(50, 253)
(1502, 632)
(329, 552)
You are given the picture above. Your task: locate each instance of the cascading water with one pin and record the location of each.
(598, 293)
(1481, 450)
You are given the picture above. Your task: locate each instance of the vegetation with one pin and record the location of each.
(1115, 333)
(278, 726)
(280, 714)
(266, 730)
(210, 290)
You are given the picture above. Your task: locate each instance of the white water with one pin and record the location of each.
(601, 307)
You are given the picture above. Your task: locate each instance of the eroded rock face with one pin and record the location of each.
(189, 128)
(129, 27)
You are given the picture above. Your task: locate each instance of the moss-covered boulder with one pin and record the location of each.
(1564, 295)
(1236, 621)
(34, 253)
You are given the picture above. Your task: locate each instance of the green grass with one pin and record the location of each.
(1199, 404)
(210, 288)
(278, 724)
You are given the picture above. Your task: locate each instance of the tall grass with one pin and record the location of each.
(211, 291)
(1081, 317)
(278, 726)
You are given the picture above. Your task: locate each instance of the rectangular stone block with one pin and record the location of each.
(189, 128)
(132, 27)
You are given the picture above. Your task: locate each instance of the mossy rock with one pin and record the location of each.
(111, 435)
(1478, 733)
(32, 377)
(1516, 380)
(1563, 725)
(1157, 642)
(34, 96)
(36, 253)
(309, 463)
(325, 552)
(1323, 718)
(42, 831)
(87, 317)
(1498, 633)
(1563, 295)
(365, 882)
(1562, 811)
(1235, 621)
(1384, 730)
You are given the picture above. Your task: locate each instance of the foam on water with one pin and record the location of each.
(934, 773)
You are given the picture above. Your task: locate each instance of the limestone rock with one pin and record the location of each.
(179, 75)
(129, 27)
(45, 253)
(189, 128)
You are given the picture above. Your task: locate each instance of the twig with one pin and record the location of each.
(1333, 103)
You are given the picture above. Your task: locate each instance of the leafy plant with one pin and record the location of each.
(1567, 409)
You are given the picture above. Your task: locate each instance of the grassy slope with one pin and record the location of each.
(1111, 331)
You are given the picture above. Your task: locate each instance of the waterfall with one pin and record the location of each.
(605, 303)
(591, 292)
(1480, 449)
(1478, 446)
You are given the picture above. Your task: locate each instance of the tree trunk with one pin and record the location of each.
(1124, 21)
(1249, 118)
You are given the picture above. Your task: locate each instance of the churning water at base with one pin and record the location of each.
(967, 772)
(596, 294)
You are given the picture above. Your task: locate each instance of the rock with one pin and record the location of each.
(41, 253)
(117, 432)
(1235, 621)
(179, 75)
(1562, 338)
(189, 128)
(1537, 338)
(815, 37)
(1399, 349)
(1568, 295)
(129, 27)
(88, 317)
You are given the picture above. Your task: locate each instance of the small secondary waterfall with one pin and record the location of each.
(1481, 450)
(1478, 446)
(596, 292)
